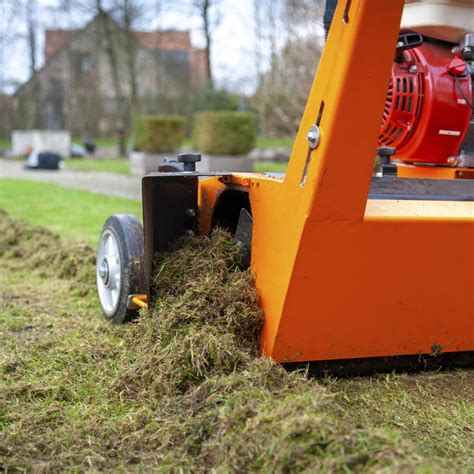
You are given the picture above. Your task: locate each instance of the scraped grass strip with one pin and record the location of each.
(183, 388)
(72, 213)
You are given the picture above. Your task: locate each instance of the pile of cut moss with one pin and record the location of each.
(37, 248)
(182, 388)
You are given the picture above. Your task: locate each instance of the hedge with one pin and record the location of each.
(224, 133)
(158, 133)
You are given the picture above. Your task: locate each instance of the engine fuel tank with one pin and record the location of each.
(447, 20)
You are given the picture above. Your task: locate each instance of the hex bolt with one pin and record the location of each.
(313, 137)
(413, 69)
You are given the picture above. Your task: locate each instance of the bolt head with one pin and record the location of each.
(452, 160)
(313, 137)
(104, 271)
(413, 68)
(190, 212)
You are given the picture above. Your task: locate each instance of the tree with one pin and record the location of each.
(117, 21)
(289, 43)
(32, 25)
(10, 13)
(209, 13)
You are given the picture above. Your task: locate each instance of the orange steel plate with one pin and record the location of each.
(433, 172)
(340, 277)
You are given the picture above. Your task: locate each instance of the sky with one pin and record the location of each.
(232, 55)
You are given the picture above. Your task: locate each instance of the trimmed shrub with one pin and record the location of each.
(215, 99)
(158, 133)
(224, 133)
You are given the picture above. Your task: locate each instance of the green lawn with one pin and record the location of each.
(78, 394)
(265, 166)
(117, 165)
(5, 144)
(71, 213)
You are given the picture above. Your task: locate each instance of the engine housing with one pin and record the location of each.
(427, 111)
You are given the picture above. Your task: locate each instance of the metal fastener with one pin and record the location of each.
(413, 68)
(452, 160)
(190, 212)
(313, 137)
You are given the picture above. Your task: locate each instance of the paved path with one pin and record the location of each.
(111, 184)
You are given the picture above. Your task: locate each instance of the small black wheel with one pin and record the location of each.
(120, 266)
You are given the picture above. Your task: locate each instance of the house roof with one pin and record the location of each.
(55, 40)
(165, 40)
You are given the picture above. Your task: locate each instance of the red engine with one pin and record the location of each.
(428, 109)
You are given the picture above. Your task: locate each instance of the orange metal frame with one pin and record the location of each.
(340, 276)
(433, 172)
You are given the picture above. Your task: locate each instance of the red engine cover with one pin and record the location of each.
(425, 116)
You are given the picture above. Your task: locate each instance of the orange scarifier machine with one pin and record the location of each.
(354, 273)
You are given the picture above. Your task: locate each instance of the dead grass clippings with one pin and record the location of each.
(181, 388)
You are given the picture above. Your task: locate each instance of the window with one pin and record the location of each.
(85, 63)
(82, 64)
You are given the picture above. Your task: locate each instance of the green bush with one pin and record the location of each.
(224, 133)
(215, 99)
(158, 133)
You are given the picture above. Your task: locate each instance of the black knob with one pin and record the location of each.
(189, 160)
(384, 153)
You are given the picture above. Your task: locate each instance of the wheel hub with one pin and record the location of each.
(109, 267)
(104, 271)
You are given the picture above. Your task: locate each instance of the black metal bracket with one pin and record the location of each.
(406, 41)
(377, 365)
(170, 211)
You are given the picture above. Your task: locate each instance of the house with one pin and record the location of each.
(94, 79)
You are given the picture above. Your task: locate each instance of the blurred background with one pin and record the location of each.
(94, 94)
(92, 67)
